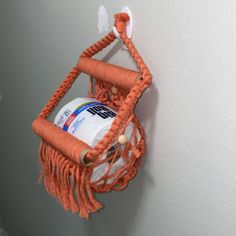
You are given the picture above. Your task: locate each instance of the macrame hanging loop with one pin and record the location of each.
(67, 163)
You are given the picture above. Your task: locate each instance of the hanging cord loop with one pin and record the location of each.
(121, 20)
(67, 162)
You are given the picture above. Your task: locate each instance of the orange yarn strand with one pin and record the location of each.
(65, 177)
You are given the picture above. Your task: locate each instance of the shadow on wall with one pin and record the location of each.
(2, 230)
(121, 208)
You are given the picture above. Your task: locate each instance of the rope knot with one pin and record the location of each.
(120, 22)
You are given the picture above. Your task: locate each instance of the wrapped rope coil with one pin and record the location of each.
(67, 163)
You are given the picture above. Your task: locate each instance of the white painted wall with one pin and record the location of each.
(187, 185)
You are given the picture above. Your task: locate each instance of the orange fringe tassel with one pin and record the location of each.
(67, 182)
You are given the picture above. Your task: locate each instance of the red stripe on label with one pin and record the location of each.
(70, 119)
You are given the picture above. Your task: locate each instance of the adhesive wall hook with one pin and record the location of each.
(129, 25)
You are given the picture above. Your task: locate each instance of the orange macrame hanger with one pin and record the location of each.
(67, 162)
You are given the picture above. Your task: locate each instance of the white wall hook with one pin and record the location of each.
(102, 19)
(129, 24)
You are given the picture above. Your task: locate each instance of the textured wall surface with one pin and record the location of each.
(187, 184)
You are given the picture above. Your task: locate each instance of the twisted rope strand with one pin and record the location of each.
(69, 181)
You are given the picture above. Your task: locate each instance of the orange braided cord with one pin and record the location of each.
(64, 176)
